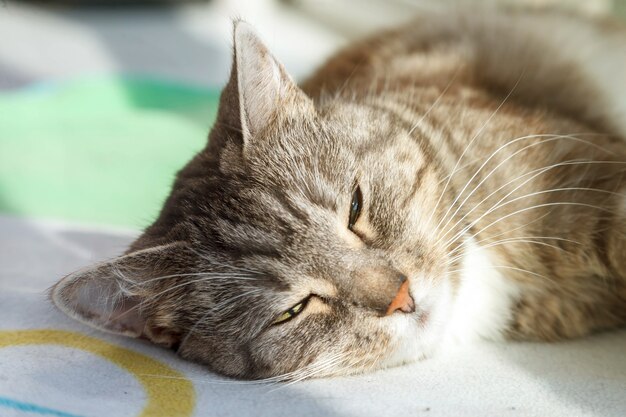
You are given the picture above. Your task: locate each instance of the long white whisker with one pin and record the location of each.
(307, 371)
(476, 161)
(204, 274)
(445, 90)
(215, 308)
(454, 170)
(537, 172)
(498, 204)
(159, 294)
(470, 144)
(561, 203)
(552, 138)
(504, 241)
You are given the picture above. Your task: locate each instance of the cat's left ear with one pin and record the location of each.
(118, 295)
(265, 90)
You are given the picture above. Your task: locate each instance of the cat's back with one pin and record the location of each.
(569, 64)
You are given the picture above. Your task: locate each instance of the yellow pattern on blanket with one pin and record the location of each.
(169, 392)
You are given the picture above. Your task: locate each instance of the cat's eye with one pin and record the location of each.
(292, 312)
(355, 207)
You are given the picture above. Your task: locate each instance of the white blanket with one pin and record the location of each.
(53, 366)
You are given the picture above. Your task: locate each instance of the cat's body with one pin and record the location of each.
(486, 154)
(509, 96)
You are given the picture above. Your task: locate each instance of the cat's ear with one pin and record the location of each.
(113, 296)
(259, 88)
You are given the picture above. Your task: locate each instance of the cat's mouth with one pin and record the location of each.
(415, 336)
(431, 300)
(422, 316)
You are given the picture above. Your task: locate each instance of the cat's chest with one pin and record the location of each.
(482, 307)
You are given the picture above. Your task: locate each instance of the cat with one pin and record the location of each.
(456, 179)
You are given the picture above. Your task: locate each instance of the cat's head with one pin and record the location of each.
(300, 242)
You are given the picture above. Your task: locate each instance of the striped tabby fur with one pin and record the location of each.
(489, 149)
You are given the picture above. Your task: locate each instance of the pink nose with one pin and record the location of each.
(402, 300)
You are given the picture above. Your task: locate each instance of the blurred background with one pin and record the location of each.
(101, 102)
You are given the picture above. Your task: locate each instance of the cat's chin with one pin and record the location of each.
(416, 338)
(413, 343)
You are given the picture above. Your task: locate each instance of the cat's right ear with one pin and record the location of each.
(116, 296)
(259, 90)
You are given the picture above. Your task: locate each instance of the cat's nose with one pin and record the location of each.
(402, 301)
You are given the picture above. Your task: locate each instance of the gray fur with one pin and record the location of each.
(257, 221)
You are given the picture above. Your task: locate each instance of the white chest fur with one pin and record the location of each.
(482, 308)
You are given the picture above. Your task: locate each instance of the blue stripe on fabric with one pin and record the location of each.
(32, 408)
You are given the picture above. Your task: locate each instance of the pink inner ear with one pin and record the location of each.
(100, 302)
(125, 318)
(262, 80)
(103, 296)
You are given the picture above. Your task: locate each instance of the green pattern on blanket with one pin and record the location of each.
(101, 150)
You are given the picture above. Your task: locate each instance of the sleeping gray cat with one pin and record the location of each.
(456, 179)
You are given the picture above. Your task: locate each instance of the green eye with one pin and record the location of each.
(292, 312)
(355, 207)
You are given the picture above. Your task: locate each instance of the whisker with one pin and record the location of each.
(471, 142)
(561, 203)
(312, 372)
(552, 138)
(159, 294)
(217, 263)
(537, 172)
(498, 204)
(223, 381)
(302, 373)
(445, 90)
(523, 270)
(511, 240)
(548, 279)
(214, 308)
(573, 135)
(205, 274)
